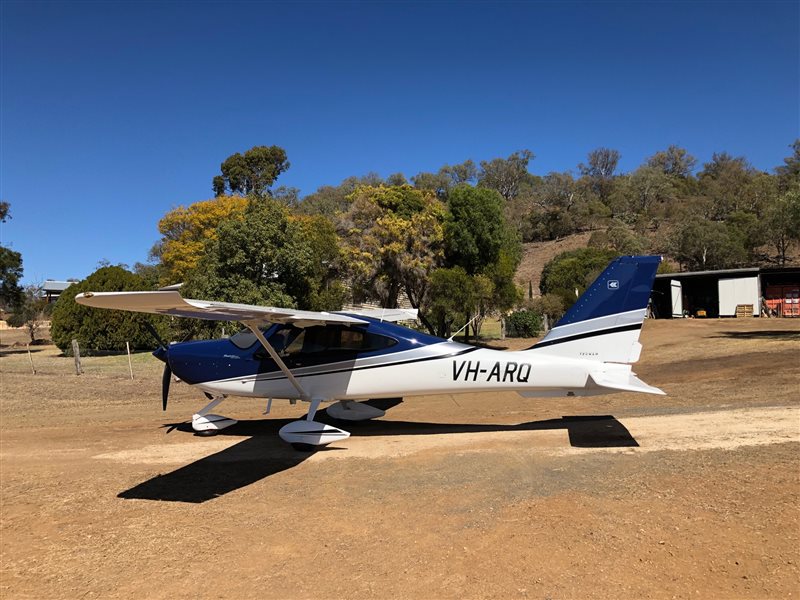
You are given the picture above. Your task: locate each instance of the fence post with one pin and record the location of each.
(76, 352)
(130, 366)
(30, 358)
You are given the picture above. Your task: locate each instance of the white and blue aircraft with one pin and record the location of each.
(345, 357)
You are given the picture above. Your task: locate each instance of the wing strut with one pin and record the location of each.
(253, 326)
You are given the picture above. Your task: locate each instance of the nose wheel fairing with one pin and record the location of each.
(206, 423)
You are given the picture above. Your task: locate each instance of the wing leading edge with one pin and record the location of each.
(173, 304)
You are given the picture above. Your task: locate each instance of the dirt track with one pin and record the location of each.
(690, 495)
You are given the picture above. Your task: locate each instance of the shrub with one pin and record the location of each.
(103, 330)
(523, 323)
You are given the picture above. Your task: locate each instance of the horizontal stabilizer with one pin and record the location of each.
(628, 383)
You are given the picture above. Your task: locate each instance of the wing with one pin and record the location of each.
(172, 303)
(392, 315)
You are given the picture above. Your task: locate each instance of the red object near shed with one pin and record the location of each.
(783, 300)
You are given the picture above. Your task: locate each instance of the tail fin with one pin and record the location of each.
(604, 323)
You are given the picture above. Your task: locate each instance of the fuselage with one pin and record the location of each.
(367, 361)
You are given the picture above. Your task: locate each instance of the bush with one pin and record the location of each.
(551, 305)
(99, 330)
(523, 323)
(574, 270)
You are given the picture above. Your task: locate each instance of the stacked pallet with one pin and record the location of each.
(744, 310)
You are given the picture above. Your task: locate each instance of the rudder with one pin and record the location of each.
(604, 323)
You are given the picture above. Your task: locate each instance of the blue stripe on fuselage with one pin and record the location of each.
(213, 360)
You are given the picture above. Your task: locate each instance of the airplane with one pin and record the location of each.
(348, 357)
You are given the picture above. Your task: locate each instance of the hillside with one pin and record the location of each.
(535, 255)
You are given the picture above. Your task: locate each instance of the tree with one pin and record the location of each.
(624, 240)
(31, 312)
(396, 179)
(599, 171)
(10, 269)
(10, 274)
(570, 273)
(505, 174)
(446, 178)
(601, 163)
(783, 221)
(674, 162)
(478, 239)
(268, 257)
(252, 172)
(332, 201)
(247, 260)
(789, 172)
(185, 230)
(474, 229)
(726, 181)
(452, 300)
(698, 244)
(103, 330)
(549, 306)
(313, 279)
(392, 240)
(750, 229)
(560, 208)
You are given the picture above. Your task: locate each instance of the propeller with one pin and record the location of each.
(165, 385)
(154, 333)
(161, 353)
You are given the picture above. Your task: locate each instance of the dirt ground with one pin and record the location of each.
(690, 495)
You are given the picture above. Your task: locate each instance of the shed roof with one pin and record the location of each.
(746, 271)
(51, 285)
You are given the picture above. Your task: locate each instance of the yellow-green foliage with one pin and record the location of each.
(186, 229)
(392, 239)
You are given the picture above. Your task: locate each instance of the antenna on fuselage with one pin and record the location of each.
(467, 324)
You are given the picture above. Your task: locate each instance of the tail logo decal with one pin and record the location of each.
(613, 284)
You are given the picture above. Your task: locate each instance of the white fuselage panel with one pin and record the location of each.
(450, 368)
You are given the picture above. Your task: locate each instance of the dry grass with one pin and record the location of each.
(470, 496)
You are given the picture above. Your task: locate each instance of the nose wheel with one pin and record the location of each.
(205, 423)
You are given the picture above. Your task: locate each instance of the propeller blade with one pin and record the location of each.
(165, 385)
(155, 335)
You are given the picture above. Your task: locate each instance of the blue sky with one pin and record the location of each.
(113, 113)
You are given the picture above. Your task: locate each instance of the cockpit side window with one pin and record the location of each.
(325, 340)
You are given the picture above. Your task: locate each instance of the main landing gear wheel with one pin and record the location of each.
(308, 432)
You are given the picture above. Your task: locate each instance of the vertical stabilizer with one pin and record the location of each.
(604, 323)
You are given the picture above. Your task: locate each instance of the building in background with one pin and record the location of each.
(770, 291)
(52, 289)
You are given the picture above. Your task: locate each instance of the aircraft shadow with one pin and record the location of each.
(761, 335)
(263, 454)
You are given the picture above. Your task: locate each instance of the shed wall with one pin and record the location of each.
(739, 290)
